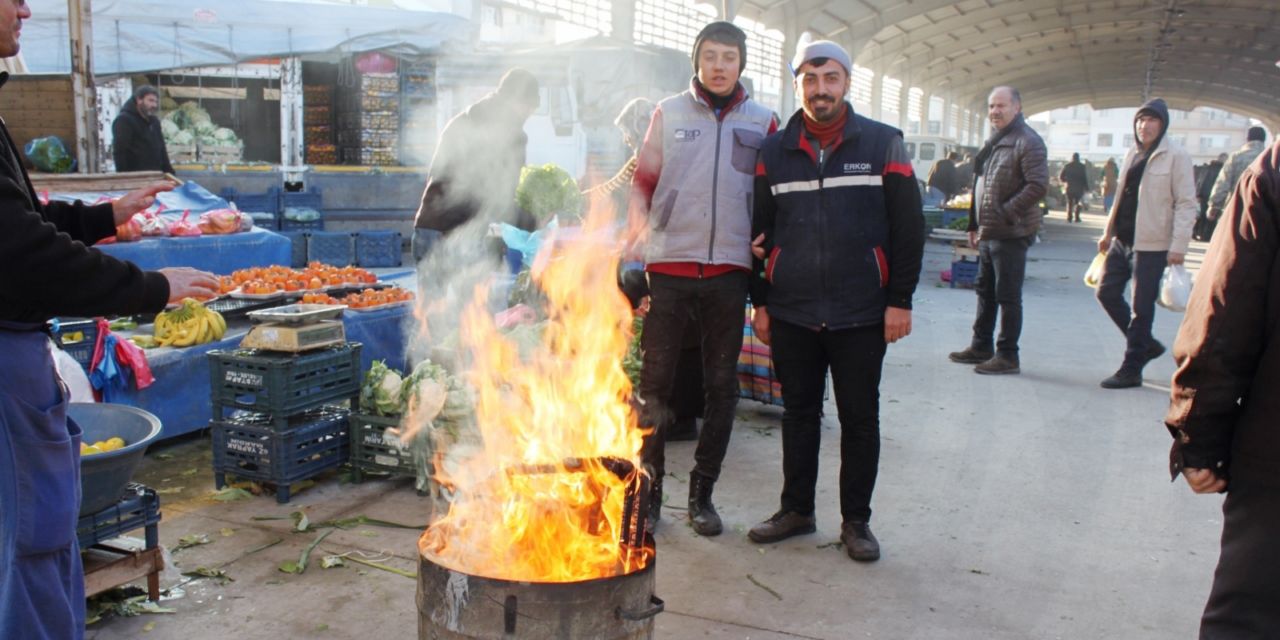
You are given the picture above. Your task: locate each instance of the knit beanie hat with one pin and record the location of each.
(724, 33)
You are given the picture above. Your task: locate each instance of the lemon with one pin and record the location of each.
(88, 450)
(114, 444)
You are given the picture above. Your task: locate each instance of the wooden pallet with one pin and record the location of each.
(94, 182)
(107, 566)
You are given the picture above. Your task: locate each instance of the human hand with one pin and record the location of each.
(135, 201)
(757, 247)
(760, 324)
(897, 324)
(973, 239)
(1204, 480)
(185, 282)
(1176, 258)
(1104, 244)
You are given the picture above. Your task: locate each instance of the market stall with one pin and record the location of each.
(217, 253)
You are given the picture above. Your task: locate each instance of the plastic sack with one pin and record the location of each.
(49, 154)
(1093, 276)
(130, 231)
(1175, 288)
(152, 224)
(221, 222)
(183, 227)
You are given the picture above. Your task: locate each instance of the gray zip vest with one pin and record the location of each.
(701, 209)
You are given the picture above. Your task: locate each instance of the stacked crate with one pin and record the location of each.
(369, 121)
(276, 417)
(418, 113)
(317, 122)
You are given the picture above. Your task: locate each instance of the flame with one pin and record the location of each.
(542, 500)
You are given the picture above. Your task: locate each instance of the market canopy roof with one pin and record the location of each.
(131, 36)
(1108, 53)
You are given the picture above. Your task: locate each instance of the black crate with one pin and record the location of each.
(373, 450)
(138, 508)
(282, 384)
(249, 446)
(81, 350)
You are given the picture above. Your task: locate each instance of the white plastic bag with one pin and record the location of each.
(1093, 277)
(1175, 288)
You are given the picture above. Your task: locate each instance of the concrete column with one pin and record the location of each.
(877, 95)
(925, 99)
(291, 112)
(790, 36)
(729, 9)
(623, 20)
(80, 22)
(948, 125)
(904, 104)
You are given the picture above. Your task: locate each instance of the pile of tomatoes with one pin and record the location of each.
(367, 299)
(316, 276)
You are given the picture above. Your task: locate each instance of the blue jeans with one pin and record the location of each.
(1145, 268)
(1002, 269)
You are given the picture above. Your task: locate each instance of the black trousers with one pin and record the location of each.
(801, 357)
(1244, 603)
(1144, 268)
(1002, 270)
(717, 303)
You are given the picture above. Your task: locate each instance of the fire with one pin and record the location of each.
(543, 500)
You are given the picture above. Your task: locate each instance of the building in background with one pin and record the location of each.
(1108, 133)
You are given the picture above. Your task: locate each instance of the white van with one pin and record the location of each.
(924, 151)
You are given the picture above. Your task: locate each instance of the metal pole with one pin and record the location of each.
(80, 20)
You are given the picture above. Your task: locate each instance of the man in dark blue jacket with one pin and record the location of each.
(838, 215)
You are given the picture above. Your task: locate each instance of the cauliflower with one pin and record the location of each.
(380, 393)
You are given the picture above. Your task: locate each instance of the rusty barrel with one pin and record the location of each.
(453, 605)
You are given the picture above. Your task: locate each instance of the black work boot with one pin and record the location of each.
(1125, 378)
(859, 542)
(655, 502)
(702, 514)
(970, 356)
(782, 525)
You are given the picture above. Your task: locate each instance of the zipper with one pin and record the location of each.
(715, 179)
(822, 224)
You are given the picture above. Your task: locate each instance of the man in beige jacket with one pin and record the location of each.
(1148, 227)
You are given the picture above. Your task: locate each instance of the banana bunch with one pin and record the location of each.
(189, 324)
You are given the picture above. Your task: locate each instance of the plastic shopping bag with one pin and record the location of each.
(1175, 288)
(1093, 277)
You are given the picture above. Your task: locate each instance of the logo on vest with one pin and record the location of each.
(857, 167)
(688, 135)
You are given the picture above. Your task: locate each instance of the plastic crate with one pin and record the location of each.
(964, 274)
(378, 248)
(300, 226)
(298, 254)
(139, 507)
(951, 215)
(373, 450)
(932, 217)
(331, 247)
(282, 384)
(250, 447)
(81, 350)
(302, 200)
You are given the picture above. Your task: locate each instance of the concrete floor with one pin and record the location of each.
(1031, 506)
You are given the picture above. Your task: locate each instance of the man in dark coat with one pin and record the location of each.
(137, 143)
(46, 270)
(1223, 406)
(942, 181)
(476, 166)
(1075, 180)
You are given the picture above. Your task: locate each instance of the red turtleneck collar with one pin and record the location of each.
(827, 133)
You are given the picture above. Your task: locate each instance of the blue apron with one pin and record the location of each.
(41, 578)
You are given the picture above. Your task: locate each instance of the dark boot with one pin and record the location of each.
(702, 514)
(859, 542)
(999, 365)
(1125, 378)
(782, 525)
(970, 356)
(655, 502)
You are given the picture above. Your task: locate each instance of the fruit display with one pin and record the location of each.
(102, 446)
(189, 324)
(961, 201)
(315, 276)
(367, 299)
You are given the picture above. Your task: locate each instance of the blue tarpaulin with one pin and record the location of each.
(220, 254)
(131, 36)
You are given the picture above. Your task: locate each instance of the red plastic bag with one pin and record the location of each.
(183, 227)
(131, 356)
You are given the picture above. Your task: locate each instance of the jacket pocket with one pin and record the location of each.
(772, 264)
(746, 149)
(882, 266)
(664, 211)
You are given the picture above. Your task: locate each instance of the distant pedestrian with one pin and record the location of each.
(1230, 174)
(1076, 182)
(1110, 175)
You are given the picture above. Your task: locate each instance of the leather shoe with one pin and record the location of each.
(782, 525)
(970, 356)
(1122, 379)
(1154, 351)
(859, 542)
(999, 365)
